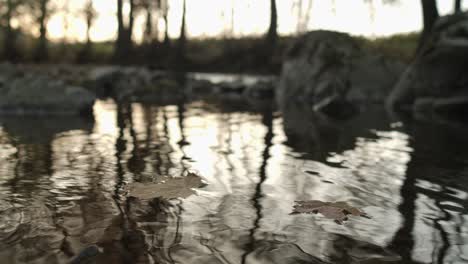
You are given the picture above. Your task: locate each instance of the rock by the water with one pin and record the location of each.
(255, 92)
(438, 76)
(261, 90)
(36, 94)
(332, 73)
(134, 84)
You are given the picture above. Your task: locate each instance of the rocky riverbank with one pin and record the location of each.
(323, 72)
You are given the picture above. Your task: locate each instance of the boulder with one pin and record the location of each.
(134, 84)
(256, 94)
(332, 73)
(438, 75)
(35, 94)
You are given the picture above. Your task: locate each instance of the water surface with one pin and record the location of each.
(63, 187)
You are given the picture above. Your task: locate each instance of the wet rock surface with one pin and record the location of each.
(58, 89)
(133, 84)
(437, 81)
(25, 93)
(330, 72)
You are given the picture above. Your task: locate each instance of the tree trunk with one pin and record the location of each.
(88, 32)
(90, 16)
(120, 31)
(41, 52)
(182, 36)
(131, 16)
(123, 44)
(457, 6)
(182, 40)
(166, 30)
(10, 51)
(430, 15)
(85, 54)
(272, 34)
(148, 36)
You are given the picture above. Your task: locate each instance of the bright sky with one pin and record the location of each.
(213, 17)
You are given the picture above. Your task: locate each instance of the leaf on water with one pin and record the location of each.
(171, 188)
(337, 211)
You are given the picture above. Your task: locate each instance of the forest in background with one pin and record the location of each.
(227, 53)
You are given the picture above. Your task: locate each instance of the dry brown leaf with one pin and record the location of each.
(337, 211)
(169, 189)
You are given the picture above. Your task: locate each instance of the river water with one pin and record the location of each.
(63, 187)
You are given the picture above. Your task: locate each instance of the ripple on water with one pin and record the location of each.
(66, 192)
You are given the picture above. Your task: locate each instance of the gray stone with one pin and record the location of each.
(35, 94)
(134, 84)
(330, 71)
(257, 92)
(439, 71)
(441, 109)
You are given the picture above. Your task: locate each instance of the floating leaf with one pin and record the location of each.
(169, 189)
(337, 211)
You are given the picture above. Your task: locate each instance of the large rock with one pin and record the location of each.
(35, 94)
(437, 79)
(331, 72)
(134, 84)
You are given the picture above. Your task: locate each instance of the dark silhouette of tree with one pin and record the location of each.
(430, 15)
(148, 36)
(457, 8)
(164, 6)
(10, 51)
(272, 35)
(266, 50)
(123, 45)
(183, 37)
(42, 11)
(90, 16)
(150, 10)
(181, 43)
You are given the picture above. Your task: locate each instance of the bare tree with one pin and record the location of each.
(272, 34)
(148, 34)
(123, 44)
(150, 9)
(10, 51)
(90, 15)
(43, 12)
(164, 7)
(457, 8)
(182, 38)
(430, 15)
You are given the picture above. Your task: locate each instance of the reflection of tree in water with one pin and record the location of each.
(136, 163)
(436, 160)
(120, 147)
(155, 229)
(145, 225)
(33, 165)
(44, 189)
(267, 120)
